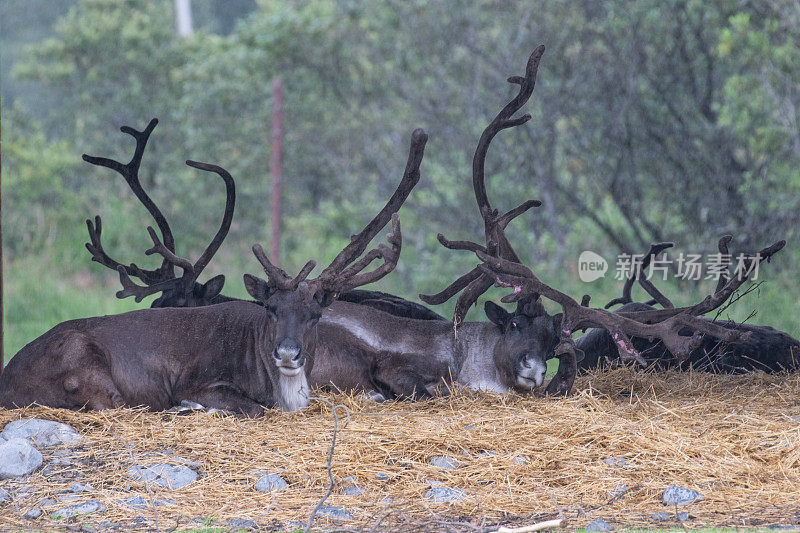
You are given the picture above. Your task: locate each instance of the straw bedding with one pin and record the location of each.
(735, 439)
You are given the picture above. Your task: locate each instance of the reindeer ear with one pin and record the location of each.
(213, 287)
(579, 355)
(256, 287)
(497, 315)
(557, 319)
(325, 298)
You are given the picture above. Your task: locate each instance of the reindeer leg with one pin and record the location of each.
(226, 399)
(401, 378)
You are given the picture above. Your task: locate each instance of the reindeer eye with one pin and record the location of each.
(513, 325)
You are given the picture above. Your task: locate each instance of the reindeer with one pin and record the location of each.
(680, 329)
(184, 291)
(765, 349)
(367, 349)
(234, 356)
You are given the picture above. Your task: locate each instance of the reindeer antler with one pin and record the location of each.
(338, 276)
(476, 282)
(163, 278)
(647, 285)
(663, 324)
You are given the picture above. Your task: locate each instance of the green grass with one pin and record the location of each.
(36, 298)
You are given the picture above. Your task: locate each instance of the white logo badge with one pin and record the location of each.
(591, 266)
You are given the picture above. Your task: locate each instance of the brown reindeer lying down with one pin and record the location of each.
(366, 349)
(236, 356)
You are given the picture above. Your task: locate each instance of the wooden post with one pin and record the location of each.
(275, 171)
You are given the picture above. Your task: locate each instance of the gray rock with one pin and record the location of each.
(682, 517)
(674, 495)
(242, 523)
(41, 432)
(615, 461)
(18, 457)
(185, 462)
(382, 476)
(107, 524)
(660, 516)
(443, 461)
(444, 494)
(599, 525)
(163, 475)
(138, 502)
(33, 514)
(335, 512)
(80, 487)
(48, 502)
(92, 506)
(619, 492)
(4, 495)
(350, 487)
(520, 460)
(270, 482)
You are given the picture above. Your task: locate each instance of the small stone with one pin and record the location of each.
(443, 461)
(522, 461)
(138, 502)
(615, 461)
(107, 524)
(270, 483)
(335, 512)
(444, 494)
(33, 514)
(163, 475)
(382, 476)
(4, 495)
(41, 432)
(350, 487)
(619, 492)
(682, 517)
(80, 487)
(599, 525)
(92, 506)
(660, 516)
(242, 523)
(18, 458)
(674, 495)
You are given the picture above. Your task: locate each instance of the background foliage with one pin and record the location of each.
(651, 121)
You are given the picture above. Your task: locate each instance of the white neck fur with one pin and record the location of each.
(293, 392)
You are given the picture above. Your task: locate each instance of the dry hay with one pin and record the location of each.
(735, 439)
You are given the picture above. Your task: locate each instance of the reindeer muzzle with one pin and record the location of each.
(530, 371)
(289, 357)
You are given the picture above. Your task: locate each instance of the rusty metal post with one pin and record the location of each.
(2, 358)
(275, 170)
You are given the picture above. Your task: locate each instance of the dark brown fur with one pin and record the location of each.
(219, 356)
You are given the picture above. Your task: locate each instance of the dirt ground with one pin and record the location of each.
(607, 452)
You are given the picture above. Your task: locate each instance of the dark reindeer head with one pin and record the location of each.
(184, 291)
(295, 304)
(529, 336)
